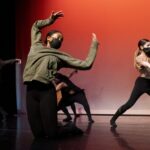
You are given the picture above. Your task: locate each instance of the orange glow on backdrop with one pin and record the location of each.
(118, 25)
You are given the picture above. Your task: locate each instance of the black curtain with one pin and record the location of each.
(7, 51)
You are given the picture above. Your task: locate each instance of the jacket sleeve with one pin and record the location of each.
(86, 64)
(36, 30)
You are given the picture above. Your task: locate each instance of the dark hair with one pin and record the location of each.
(142, 42)
(147, 51)
(50, 33)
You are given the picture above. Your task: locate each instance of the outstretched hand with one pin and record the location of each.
(56, 15)
(18, 61)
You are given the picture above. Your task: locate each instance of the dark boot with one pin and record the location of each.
(114, 118)
(91, 120)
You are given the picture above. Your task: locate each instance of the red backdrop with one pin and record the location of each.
(118, 25)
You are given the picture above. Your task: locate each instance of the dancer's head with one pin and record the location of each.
(54, 39)
(144, 45)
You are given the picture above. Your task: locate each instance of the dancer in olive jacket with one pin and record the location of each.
(42, 64)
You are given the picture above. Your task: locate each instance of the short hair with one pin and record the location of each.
(142, 42)
(50, 33)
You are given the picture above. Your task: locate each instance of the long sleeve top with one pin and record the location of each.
(141, 62)
(43, 62)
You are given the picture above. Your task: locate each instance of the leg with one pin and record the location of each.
(81, 99)
(66, 112)
(62, 106)
(48, 112)
(33, 113)
(73, 107)
(42, 110)
(136, 93)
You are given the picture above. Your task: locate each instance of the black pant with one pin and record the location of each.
(42, 109)
(80, 98)
(142, 85)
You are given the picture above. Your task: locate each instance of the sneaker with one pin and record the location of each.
(91, 120)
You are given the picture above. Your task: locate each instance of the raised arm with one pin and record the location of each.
(39, 24)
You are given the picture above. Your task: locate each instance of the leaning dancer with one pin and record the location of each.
(142, 83)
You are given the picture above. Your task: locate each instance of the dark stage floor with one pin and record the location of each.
(133, 133)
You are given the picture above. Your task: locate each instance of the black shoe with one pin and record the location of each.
(91, 120)
(113, 124)
(67, 119)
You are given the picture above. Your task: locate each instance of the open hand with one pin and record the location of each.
(94, 38)
(56, 15)
(18, 61)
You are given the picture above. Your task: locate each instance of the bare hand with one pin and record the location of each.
(63, 84)
(94, 38)
(18, 61)
(56, 15)
(60, 86)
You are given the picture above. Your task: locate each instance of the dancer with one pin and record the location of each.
(72, 94)
(142, 83)
(4, 63)
(59, 85)
(42, 64)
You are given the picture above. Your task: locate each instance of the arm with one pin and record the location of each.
(142, 60)
(60, 86)
(71, 62)
(38, 25)
(145, 64)
(136, 64)
(11, 61)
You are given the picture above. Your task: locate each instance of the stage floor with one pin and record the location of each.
(132, 133)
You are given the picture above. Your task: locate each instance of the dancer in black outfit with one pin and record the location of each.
(60, 84)
(71, 94)
(142, 83)
(4, 63)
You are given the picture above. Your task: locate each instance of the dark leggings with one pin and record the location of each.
(42, 109)
(142, 85)
(77, 98)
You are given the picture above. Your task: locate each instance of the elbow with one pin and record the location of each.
(87, 67)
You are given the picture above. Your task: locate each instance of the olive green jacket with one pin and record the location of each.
(43, 63)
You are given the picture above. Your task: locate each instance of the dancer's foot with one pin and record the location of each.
(113, 124)
(91, 121)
